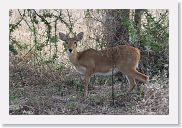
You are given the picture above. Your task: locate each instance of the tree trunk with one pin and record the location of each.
(137, 20)
(116, 32)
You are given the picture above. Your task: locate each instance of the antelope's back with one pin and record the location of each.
(126, 55)
(122, 54)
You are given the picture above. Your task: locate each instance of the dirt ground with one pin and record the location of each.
(38, 90)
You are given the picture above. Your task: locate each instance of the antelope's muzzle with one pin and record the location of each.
(70, 50)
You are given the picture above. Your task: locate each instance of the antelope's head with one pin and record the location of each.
(71, 42)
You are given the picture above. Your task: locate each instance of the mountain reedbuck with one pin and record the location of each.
(122, 58)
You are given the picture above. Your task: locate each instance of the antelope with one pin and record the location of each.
(122, 58)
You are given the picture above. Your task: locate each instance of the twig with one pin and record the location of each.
(47, 24)
(71, 24)
(24, 18)
(150, 95)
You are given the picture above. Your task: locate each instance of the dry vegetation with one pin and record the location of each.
(40, 87)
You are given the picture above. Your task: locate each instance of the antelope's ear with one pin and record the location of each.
(62, 36)
(79, 36)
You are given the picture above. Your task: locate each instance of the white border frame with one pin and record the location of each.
(172, 118)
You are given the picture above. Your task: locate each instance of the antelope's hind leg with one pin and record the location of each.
(130, 78)
(131, 82)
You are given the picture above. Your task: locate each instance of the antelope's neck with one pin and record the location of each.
(74, 58)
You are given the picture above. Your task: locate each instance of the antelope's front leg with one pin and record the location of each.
(86, 82)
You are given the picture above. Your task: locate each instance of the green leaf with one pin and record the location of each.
(54, 39)
(12, 49)
(39, 46)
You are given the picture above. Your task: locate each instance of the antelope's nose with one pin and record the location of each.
(70, 50)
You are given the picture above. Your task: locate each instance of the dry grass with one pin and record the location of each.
(42, 90)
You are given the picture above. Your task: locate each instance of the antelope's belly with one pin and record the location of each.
(108, 73)
(82, 71)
